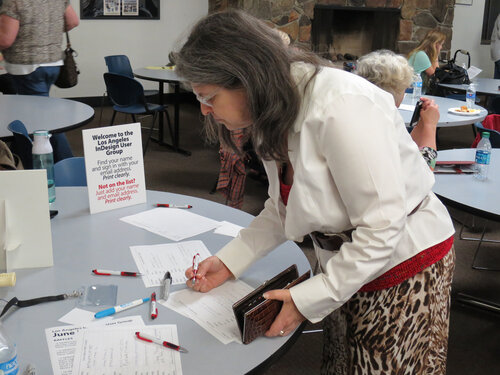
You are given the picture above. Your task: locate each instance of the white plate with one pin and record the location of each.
(457, 111)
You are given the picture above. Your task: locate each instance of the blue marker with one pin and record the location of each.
(125, 306)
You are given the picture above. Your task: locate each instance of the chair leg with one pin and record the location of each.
(102, 108)
(113, 117)
(134, 118)
(150, 133)
(169, 126)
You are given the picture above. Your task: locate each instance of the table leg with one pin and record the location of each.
(478, 302)
(175, 146)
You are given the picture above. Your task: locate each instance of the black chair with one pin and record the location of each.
(22, 144)
(127, 96)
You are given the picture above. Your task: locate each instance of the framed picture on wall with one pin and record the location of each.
(120, 9)
(463, 2)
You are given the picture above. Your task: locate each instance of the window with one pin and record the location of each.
(491, 11)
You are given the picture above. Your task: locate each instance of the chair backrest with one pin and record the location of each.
(124, 91)
(119, 64)
(70, 172)
(494, 135)
(22, 145)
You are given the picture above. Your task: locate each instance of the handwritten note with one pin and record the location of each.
(154, 260)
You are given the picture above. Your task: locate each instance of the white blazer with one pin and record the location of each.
(355, 166)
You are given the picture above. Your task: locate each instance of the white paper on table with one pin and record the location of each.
(228, 229)
(117, 351)
(407, 107)
(212, 310)
(473, 72)
(175, 224)
(154, 260)
(62, 342)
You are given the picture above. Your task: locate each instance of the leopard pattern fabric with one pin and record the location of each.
(399, 330)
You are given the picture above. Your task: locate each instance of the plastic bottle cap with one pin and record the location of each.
(8, 279)
(486, 134)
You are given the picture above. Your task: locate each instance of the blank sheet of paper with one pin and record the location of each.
(213, 310)
(175, 224)
(154, 260)
(117, 351)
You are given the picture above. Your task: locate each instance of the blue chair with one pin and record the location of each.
(22, 144)
(127, 96)
(70, 172)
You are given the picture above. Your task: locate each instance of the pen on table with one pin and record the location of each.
(116, 309)
(168, 205)
(154, 309)
(166, 344)
(115, 273)
(196, 262)
(165, 286)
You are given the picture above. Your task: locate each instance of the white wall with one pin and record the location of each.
(467, 27)
(145, 42)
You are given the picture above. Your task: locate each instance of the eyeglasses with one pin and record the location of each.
(205, 100)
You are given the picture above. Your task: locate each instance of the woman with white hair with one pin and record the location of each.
(392, 73)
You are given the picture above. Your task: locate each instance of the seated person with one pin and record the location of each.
(393, 74)
(425, 58)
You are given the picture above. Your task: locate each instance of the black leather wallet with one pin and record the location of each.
(254, 314)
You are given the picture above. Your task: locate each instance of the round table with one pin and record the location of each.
(446, 119)
(165, 75)
(488, 86)
(42, 112)
(82, 242)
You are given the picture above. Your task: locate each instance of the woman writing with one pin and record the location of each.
(425, 58)
(338, 159)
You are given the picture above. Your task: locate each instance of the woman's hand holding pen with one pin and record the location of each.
(211, 273)
(289, 317)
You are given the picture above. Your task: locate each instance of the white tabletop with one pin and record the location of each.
(41, 112)
(82, 242)
(446, 118)
(159, 75)
(488, 86)
(464, 191)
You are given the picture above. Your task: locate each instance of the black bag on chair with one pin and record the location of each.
(68, 75)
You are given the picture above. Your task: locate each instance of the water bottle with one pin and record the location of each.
(417, 87)
(43, 158)
(8, 355)
(483, 153)
(470, 97)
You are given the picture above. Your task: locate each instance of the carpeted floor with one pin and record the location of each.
(474, 334)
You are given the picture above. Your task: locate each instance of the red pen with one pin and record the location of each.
(167, 205)
(196, 262)
(166, 344)
(154, 309)
(115, 273)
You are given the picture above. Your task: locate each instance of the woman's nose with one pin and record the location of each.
(206, 109)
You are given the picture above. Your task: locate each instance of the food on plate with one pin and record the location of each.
(464, 109)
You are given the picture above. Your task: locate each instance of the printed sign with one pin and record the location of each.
(114, 166)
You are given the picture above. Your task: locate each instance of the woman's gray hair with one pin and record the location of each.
(235, 50)
(387, 70)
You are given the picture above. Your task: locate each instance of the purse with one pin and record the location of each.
(255, 314)
(68, 75)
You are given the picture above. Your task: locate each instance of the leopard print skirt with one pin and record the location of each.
(399, 330)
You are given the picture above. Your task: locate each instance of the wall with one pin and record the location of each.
(144, 42)
(467, 26)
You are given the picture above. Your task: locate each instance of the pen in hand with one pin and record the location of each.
(166, 344)
(154, 309)
(115, 273)
(196, 263)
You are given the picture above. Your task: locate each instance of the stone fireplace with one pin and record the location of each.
(358, 23)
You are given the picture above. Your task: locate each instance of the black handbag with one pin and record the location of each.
(450, 73)
(68, 75)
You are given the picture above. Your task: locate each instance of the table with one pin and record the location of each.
(82, 242)
(42, 112)
(479, 198)
(446, 119)
(163, 76)
(487, 86)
